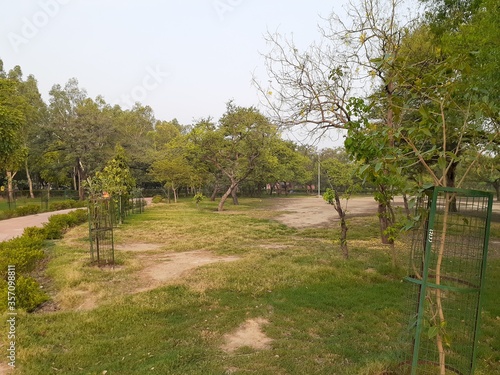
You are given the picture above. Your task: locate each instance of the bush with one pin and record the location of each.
(68, 203)
(29, 209)
(35, 232)
(25, 252)
(28, 293)
(157, 199)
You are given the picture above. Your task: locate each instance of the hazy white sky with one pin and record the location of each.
(185, 59)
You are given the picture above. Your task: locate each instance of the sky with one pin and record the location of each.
(185, 59)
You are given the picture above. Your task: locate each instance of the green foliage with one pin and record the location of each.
(23, 251)
(29, 295)
(12, 119)
(157, 199)
(29, 209)
(198, 197)
(116, 178)
(63, 205)
(58, 224)
(26, 252)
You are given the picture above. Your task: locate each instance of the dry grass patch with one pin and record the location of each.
(249, 334)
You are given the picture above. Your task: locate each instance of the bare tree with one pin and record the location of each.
(355, 56)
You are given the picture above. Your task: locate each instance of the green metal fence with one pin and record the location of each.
(446, 275)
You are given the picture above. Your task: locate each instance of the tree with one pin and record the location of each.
(313, 89)
(172, 166)
(237, 146)
(135, 129)
(35, 111)
(116, 180)
(283, 166)
(84, 129)
(12, 122)
(341, 180)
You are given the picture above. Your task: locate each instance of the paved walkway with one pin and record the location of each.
(11, 228)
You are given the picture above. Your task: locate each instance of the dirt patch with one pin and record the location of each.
(314, 212)
(156, 269)
(160, 269)
(5, 369)
(249, 334)
(138, 247)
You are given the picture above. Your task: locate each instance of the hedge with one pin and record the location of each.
(26, 253)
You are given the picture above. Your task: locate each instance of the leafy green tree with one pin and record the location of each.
(12, 122)
(116, 180)
(84, 129)
(289, 165)
(173, 167)
(237, 146)
(135, 129)
(36, 114)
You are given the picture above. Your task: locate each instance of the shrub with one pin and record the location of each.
(35, 232)
(28, 293)
(26, 251)
(23, 251)
(29, 209)
(157, 199)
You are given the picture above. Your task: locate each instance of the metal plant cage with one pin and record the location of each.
(101, 212)
(446, 275)
(137, 202)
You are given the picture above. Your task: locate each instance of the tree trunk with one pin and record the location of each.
(450, 182)
(174, 190)
(384, 221)
(30, 182)
(407, 206)
(343, 226)
(80, 172)
(226, 195)
(496, 185)
(215, 191)
(235, 197)
(10, 185)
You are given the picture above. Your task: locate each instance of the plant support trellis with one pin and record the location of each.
(101, 230)
(447, 270)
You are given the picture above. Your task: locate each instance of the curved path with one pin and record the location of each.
(11, 228)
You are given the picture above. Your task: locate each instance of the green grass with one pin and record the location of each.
(326, 315)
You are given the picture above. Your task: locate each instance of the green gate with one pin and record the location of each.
(447, 270)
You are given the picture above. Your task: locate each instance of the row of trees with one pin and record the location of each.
(83, 143)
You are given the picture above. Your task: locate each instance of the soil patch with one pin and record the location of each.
(249, 334)
(138, 247)
(314, 212)
(161, 269)
(5, 369)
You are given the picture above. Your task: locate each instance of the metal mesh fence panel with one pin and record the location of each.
(446, 273)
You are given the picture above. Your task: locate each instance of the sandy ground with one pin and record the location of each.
(314, 212)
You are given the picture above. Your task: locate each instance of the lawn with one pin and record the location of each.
(323, 314)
